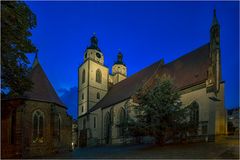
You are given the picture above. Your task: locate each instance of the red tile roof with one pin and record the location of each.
(42, 89)
(186, 71)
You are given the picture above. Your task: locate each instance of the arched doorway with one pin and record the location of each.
(107, 128)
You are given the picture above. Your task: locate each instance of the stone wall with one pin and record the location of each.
(23, 136)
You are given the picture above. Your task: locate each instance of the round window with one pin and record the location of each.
(98, 55)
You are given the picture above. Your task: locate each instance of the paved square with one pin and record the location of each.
(226, 148)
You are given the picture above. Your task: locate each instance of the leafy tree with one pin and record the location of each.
(159, 113)
(17, 20)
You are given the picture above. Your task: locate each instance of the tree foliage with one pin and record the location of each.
(16, 24)
(159, 113)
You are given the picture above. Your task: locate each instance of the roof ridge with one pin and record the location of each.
(183, 69)
(188, 53)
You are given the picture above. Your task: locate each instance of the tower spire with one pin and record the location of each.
(94, 43)
(119, 58)
(214, 21)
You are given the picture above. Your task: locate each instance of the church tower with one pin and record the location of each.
(119, 69)
(92, 78)
(214, 71)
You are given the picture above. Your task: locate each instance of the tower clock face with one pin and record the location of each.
(98, 55)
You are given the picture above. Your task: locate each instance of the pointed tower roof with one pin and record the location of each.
(94, 43)
(214, 21)
(42, 89)
(119, 58)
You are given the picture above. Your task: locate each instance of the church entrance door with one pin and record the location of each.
(83, 138)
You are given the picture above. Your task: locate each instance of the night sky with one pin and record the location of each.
(145, 32)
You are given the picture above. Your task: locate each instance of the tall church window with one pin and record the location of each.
(84, 123)
(13, 127)
(112, 115)
(58, 127)
(194, 112)
(194, 115)
(98, 76)
(82, 96)
(98, 95)
(107, 128)
(83, 76)
(94, 122)
(38, 120)
(122, 122)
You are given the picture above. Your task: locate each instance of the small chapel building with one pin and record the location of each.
(35, 124)
(105, 99)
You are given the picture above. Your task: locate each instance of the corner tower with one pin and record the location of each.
(214, 71)
(92, 77)
(119, 69)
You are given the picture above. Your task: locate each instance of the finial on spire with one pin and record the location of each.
(94, 42)
(120, 56)
(214, 21)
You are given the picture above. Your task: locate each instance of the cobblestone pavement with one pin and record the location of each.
(225, 148)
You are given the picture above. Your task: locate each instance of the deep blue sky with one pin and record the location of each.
(144, 31)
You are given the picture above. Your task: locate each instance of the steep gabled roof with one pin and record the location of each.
(186, 71)
(42, 89)
(190, 69)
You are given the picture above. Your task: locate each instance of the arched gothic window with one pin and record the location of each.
(194, 112)
(83, 76)
(98, 95)
(194, 116)
(112, 115)
(107, 128)
(98, 76)
(94, 122)
(58, 127)
(13, 127)
(38, 126)
(84, 123)
(122, 122)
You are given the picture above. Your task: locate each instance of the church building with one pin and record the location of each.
(35, 124)
(104, 99)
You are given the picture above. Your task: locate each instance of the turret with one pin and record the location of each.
(93, 52)
(214, 71)
(119, 69)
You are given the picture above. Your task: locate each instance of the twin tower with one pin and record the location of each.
(94, 79)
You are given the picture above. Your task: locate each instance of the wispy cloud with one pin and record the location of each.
(69, 97)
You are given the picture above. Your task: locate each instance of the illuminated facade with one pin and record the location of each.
(105, 99)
